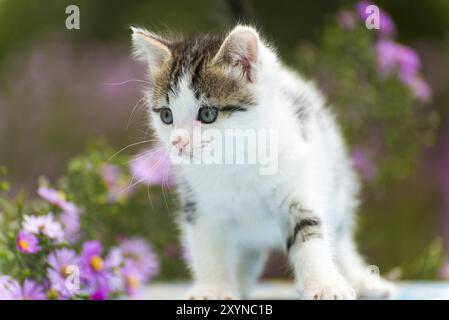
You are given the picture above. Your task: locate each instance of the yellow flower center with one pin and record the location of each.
(96, 263)
(52, 294)
(65, 272)
(61, 195)
(133, 282)
(23, 244)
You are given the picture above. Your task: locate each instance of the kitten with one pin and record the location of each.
(231, 214)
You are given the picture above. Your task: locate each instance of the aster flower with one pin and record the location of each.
(137, 252)
(118, 187)
(386, 24)
(133, 278)
(94, 271)
(403, 61)
(70, 221)
(45, 225)
(114, 263)
(59, 263)
(394, 57)
(52, 196)
(419, 88)
(347, 19)
(10, 289)
(27, 242)
(363, 162)
(152, 167)
(58, 198)
(100, 294)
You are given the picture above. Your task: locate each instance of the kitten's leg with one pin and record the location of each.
(213, 262)
(365, 280)
(251, 263)
(310, 253)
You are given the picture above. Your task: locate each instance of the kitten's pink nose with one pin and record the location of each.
(180, 139)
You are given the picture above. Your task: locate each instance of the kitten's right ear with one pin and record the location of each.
(150, 48)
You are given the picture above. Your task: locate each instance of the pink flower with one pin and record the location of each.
(10, 289)
(394, 57)
(45, 225)
(27, 242)
(419, 88)
(347, 19)
(52, 196)
(405, 63)
(386, 24)
(118, 186)
(70, 221)
(94, 271)
(133, 279)
(152, 167)
(137, 252)
(100, 294)
(363, 162)
(60, 262)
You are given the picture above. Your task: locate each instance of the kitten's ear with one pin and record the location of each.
(240, 49)
(150, 48)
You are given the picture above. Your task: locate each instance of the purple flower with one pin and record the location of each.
(419, 88)
(45, 225)
(94, 271)
(386, 24)
(403, 61)
(100, 294)
(110, 174)
(118, 186)
(58, 198)
(346, 19)
(133, 278)
(114, 262)
(363, 162)
(70, 221)
(137, 252)
(10, 289)
(27, 242)
(60, 263)
(152, 167)
(394, 57)
(52, 196)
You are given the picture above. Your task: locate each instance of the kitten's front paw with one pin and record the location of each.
(336, 291)
(377, 288)
(210, 293)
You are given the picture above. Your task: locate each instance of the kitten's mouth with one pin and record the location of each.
(191, 153)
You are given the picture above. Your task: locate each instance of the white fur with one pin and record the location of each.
(240, 212)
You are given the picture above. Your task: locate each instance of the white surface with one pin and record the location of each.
(285, 290)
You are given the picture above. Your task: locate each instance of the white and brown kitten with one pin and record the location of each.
(231, 215)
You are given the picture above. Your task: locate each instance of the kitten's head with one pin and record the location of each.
(206, 81)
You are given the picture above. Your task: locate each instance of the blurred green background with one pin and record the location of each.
(60, 88)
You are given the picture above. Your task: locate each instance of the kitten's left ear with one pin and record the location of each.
(240, 49)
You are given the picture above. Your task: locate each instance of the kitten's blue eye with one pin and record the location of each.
(207, 114)
(166, 116)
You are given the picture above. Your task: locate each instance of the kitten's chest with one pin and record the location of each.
(233, 192)
(240, 200)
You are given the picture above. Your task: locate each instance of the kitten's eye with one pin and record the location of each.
(207, 114)
(166, 116)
